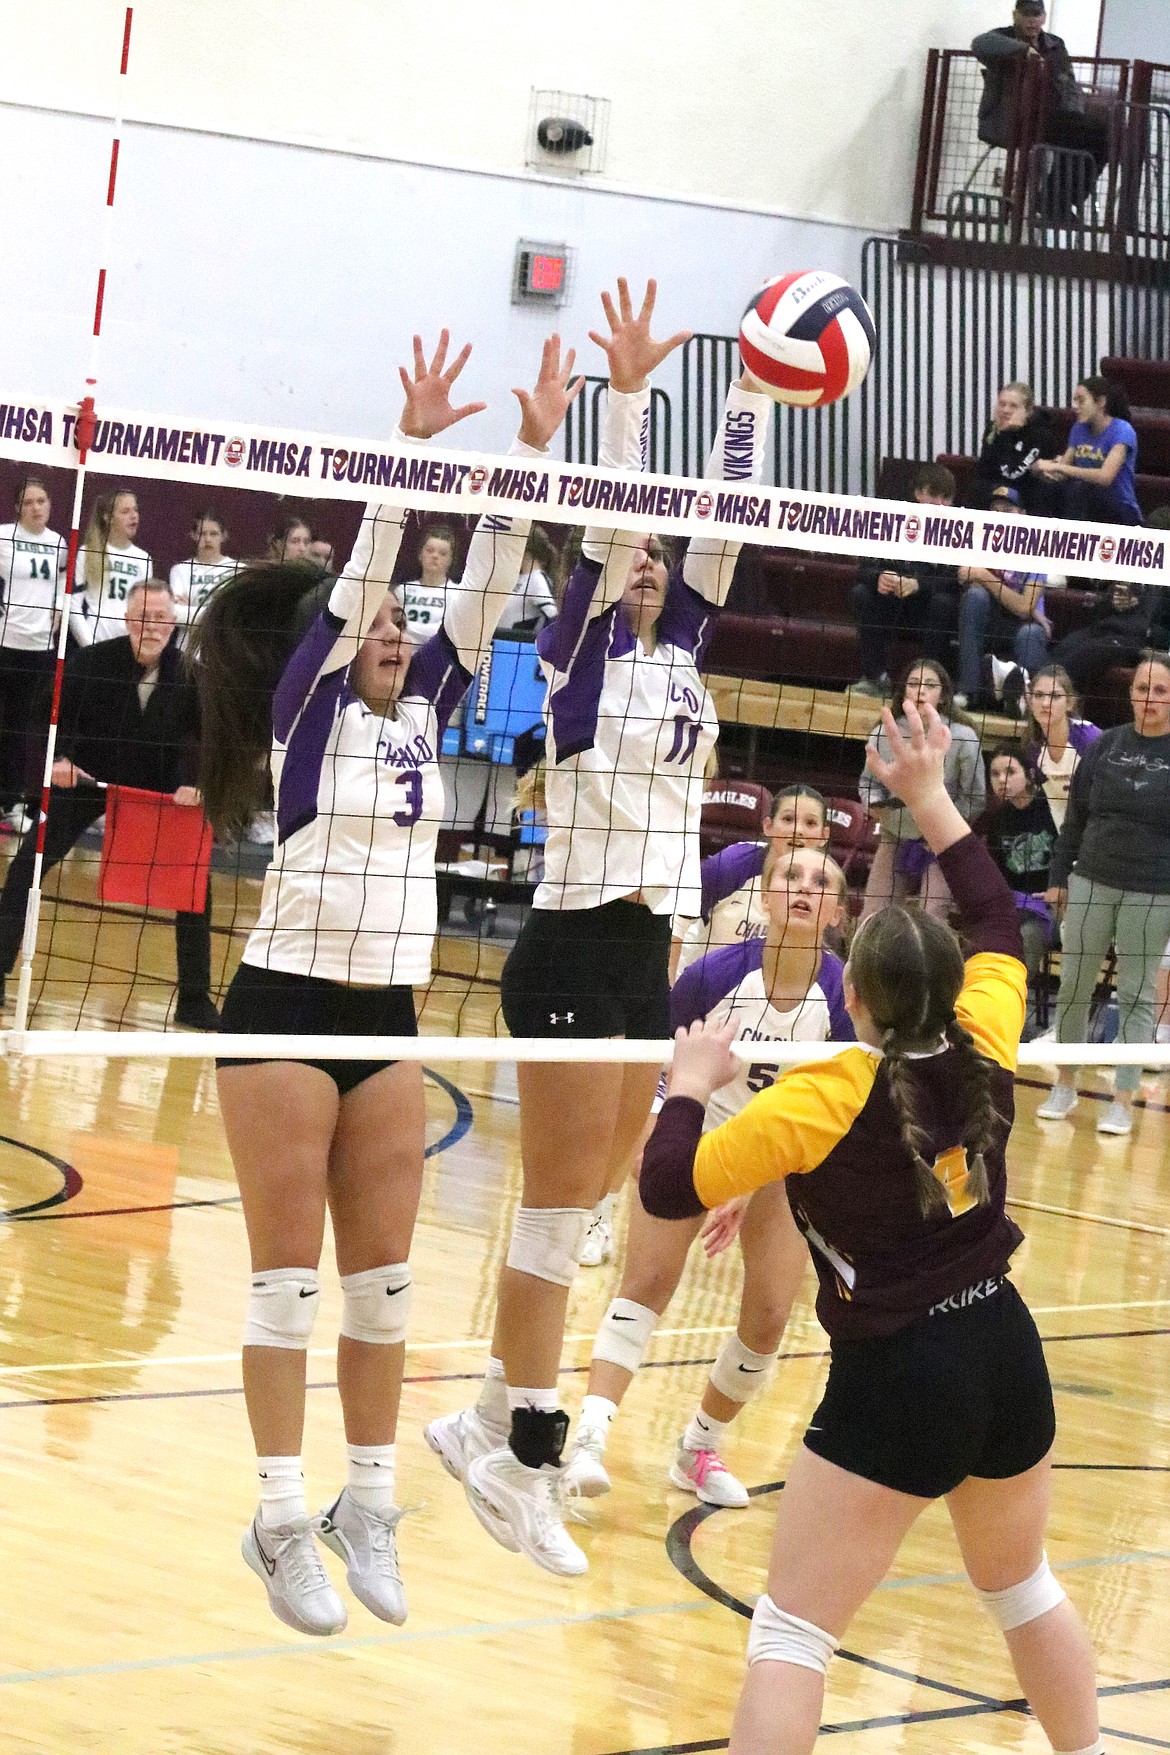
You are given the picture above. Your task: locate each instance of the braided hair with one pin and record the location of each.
(907, 969)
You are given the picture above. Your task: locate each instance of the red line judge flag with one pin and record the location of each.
(156, 853)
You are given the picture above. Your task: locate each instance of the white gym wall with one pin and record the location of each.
(301, 185)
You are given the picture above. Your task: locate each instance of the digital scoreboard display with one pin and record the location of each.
(541, 273)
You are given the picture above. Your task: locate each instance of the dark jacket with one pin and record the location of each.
(1002, 54)
(105, 730)
(1006, 458)
(1117, 826)
(934, 577)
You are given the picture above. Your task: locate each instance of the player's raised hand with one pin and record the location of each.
(543, 408)
(629, 347)
(703, 1060)
(914, 768)
(427, 409)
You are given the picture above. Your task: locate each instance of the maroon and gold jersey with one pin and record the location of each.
(831, 1129)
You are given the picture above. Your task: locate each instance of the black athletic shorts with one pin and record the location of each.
(963, 1391)
(276, 1002)
(590, 972)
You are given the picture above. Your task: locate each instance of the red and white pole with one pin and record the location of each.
(84, 431)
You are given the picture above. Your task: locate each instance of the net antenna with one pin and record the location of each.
(84, 432)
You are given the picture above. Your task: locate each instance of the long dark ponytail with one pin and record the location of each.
(238, 649)
(908, 970)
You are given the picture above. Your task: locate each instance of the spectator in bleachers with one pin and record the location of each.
(321, 554)
(1021, 836)
(1094, 477)
(424, 598)
(1056, 737)
(129, 717)
(109, 565)
(1111, 877)
(32, 581)
(1117, 634)
(1062, 119)
(193, 581)
(903, 863)
(1001, 617)
(907, 600)
(1018, 436)
(533, 602)
(289, 540)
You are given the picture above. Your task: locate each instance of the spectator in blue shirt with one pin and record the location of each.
(1094, 478)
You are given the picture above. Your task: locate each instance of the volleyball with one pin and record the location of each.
(807, 338)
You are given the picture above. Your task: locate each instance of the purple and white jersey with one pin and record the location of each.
(729, 984)
(628, 732)
(732, 908)
(350, 893)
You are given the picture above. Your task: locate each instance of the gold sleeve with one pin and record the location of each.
(787, 1130)
(992, 1005)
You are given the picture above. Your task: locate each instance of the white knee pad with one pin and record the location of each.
(375, 1306)
(738, 1372)
(1024, 1602)
(547, 1242)
(625, 1333)
(282, 1308)
(786, 1639)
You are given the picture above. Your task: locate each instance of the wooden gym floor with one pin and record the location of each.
(131, 1625)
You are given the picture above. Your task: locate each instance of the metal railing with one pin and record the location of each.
(1041, 173)
(949, 335)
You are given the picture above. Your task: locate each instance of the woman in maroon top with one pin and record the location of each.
(893, 1155)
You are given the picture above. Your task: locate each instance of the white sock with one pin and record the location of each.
(1162, 1033)
(704, 1433)
(1097, 1748)
(282, 1489)
(597, 1412)
(543, 1401)
(371, 1476)
(492, 1406)
(603, 1209)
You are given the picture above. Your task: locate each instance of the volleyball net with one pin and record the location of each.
(95, 963)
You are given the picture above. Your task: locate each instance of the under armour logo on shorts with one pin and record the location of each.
(555, 1018)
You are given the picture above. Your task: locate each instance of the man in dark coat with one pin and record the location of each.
(1004, 54)
(130, 717)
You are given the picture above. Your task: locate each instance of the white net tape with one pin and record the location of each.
(241, 463)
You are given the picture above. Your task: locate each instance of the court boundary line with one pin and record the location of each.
(679, 1551)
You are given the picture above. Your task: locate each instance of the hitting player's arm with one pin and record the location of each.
(736, 456)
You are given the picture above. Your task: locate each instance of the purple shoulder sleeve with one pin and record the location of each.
(557, 642)
(830, 980)
(729, 870)
(688, 619)
(706, 982)
(437, 675)
(666, 1181)
(302, 671)
(1082, 733)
